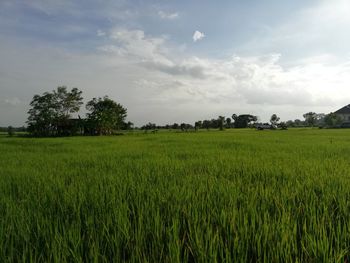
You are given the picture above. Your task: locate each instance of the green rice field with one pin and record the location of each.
(231, 196)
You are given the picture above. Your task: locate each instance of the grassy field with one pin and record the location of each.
(232, 196)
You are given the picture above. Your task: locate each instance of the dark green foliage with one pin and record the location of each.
(243, 121)
(42, 120)
(274, 120)
(228, 122)
(295, 123)
(310, 118)
(128, 125)
(105, 115)
(282, 125)
(198, 125)
(14, 129)
(332, 120)
(185, 127)
(206, 124)
(313, 118)
(221, 123)
(10, 131)
(149, 126)
(50, 113)
(67, 102)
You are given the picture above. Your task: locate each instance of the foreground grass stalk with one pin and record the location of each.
(234, 196)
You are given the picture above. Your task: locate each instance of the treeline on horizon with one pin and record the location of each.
(51, 113)
(311, 119)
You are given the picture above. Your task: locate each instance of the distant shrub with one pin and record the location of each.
(283, 126)
(10, 131)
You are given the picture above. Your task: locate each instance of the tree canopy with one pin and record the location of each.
(274, 120)
(242, 121)
(105, 115)
(50, 112)
(332, 120)
(313, 118)
(221, 122)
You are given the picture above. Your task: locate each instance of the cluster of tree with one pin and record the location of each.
(13, 129)
(247, 120)
(244, 120)
(321, 120)
(150, 126)
(332, 120)
(10, 130)
(313, 119)
(237, 121)
(153, 127)
(218, 123)
(51, 114)
(295, 123)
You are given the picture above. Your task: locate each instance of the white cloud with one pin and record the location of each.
(309, 32)
(258, 80)
(197, 35)
(152, 53)
(170, 16)
(135, 44)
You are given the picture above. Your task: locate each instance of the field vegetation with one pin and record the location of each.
(223, 196)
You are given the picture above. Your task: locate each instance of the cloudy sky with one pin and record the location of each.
(173, 61)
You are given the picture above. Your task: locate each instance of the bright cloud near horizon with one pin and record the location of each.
(178, 61)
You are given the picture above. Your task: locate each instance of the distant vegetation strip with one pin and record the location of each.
(50, 114)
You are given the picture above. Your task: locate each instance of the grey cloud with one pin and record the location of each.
(154, 81)
(11, 101)
(177, 69)
(152, 53)
(276, 97)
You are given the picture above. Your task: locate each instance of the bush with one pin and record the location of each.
(10, 131)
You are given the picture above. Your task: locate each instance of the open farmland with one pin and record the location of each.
(237, 195)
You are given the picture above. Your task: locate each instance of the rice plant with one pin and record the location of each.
(232, 196)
